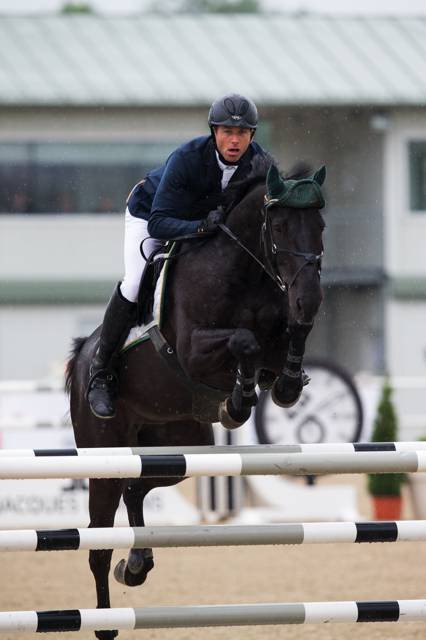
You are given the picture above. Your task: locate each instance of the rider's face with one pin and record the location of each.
(232, 142)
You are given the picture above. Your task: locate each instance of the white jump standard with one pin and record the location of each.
(212, 616)
(226, 464)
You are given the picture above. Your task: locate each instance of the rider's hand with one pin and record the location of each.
(210, 224)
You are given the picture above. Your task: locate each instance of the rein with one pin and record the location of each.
(274, 276)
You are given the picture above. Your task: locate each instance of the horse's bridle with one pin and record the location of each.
(309, 257)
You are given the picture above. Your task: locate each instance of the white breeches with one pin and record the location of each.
(135, 230)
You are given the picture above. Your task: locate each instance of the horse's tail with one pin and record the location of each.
(77, 346)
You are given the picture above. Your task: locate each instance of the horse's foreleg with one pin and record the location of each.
(103, 502)
(236, 409)
(287, 389)
(140, 561)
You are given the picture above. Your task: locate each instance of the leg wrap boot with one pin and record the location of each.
(102, 387)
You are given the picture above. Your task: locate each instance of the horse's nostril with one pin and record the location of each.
(299, 304)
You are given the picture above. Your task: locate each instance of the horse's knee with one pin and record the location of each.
(243, 344)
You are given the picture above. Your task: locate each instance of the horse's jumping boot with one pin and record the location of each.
(134, 571)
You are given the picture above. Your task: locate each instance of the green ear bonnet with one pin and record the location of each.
(297, 194)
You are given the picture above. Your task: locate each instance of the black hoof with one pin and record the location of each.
(106, 635)
(286, 394)
(137, 574)
(266, 379)
(230, 417)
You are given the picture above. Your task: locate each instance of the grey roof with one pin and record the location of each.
(149, 60)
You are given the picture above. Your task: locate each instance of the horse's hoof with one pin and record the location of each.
(120, 571)
(229, 419)
(266, 379)
(288, 397)
(134, 576)
(106, 635)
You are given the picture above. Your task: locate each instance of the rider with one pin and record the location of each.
(178, 198)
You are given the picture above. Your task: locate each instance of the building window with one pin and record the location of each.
(417, 169)
(56, 177)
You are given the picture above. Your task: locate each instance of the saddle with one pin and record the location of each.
(148, 284)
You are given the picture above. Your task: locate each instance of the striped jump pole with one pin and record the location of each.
(211, 535)
(226, 464)
(322, 447)
(212, 616)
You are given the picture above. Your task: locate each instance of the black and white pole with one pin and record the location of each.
(226, 464)
(221, 448)
(211, 535)
(212, 616)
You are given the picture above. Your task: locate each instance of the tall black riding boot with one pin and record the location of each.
(102, 387)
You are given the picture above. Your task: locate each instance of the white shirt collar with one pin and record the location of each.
(228, 170)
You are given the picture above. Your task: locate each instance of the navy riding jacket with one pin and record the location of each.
(175, 197)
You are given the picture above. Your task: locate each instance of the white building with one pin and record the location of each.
(89, 103)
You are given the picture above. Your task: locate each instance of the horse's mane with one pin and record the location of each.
(236, 191)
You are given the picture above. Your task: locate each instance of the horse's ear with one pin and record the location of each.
(274, 182)
(319, 176)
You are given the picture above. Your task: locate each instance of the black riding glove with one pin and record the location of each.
(210, 224)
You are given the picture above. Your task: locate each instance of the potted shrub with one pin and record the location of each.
(417, 484)
(385, 488)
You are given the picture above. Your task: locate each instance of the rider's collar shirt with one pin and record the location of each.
(228, 171)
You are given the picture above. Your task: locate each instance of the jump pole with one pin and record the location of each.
(226, 464)
(212, 616)
(211, 535)
(322, 447)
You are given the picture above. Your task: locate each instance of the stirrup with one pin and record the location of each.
(101, 394)
(107, 374)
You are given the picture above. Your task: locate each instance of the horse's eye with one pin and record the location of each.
(278, 226)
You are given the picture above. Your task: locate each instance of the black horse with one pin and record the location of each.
(240, 306)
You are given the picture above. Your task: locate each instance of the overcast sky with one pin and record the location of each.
(399, 7)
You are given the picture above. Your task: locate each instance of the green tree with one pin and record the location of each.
(76, 7)
(205, 6)
(222, 6)
(385, 430)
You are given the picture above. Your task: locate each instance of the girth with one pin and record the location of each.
(205, 399)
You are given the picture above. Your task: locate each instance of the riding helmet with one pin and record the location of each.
(233, 110)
